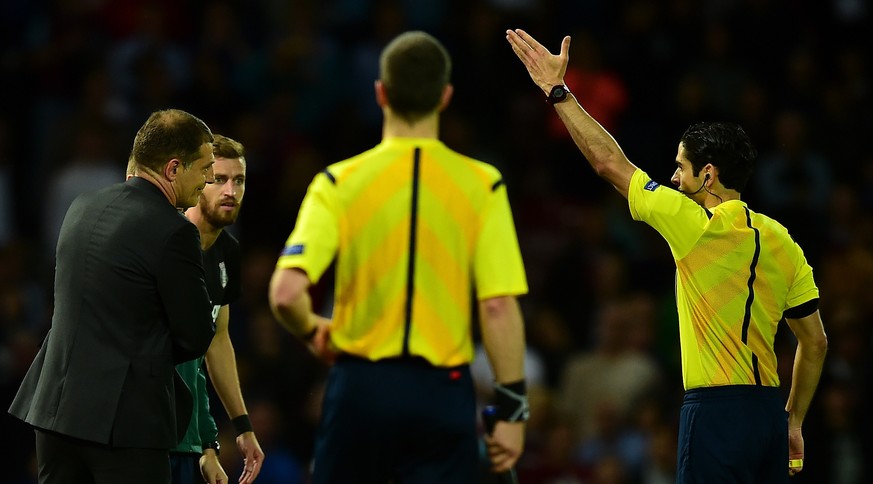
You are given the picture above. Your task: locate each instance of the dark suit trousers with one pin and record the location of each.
(66, 460)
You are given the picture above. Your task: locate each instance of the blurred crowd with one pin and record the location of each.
(293, 81)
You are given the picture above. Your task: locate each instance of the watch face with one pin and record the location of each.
(557, 94)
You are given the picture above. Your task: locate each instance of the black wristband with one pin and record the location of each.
(511, 401)
(214, 445)
(242, 424)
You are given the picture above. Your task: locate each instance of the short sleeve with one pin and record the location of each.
(313, 243)
(679, 219)
(497, 265)
(803, 288)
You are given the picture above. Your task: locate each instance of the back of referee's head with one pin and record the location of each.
(414, 69)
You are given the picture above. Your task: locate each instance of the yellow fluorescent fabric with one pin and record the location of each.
(735, 269)
(360, 211)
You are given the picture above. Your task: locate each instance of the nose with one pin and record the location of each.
(210, 175)
(675, 178)
(229, 188)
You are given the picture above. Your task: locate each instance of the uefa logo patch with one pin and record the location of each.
(652, 185)
(295, 249)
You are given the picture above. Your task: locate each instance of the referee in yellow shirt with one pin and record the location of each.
(416, 230)
(738, 274)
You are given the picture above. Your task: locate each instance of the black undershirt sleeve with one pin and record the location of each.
(802, 310)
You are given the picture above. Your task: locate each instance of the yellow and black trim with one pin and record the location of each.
(747, 315)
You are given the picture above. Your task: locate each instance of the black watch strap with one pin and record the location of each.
(557, 94)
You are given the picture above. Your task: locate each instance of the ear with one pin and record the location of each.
(446, 97)
(171, 169)
(707, 172)
(381, 97)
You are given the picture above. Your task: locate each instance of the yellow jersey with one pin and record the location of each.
(737, 272)
(416, 229)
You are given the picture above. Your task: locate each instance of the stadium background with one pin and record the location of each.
(293, 82)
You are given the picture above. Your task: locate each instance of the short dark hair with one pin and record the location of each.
(224, 147)
(168, 134)
(414, 68)
(726, 146)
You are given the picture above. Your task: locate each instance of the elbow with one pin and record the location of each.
(820, 345)
(601, 169)
(285, 292)
(282, 302)
(606, 167)
(495, 308)
(815, 348)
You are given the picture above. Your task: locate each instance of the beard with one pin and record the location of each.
(217, 217)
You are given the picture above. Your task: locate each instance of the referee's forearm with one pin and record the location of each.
(503, 337)
(808, 363)
(290, 301)
(295, 315)
(599, 147)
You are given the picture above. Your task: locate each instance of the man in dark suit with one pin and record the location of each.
(130, 303)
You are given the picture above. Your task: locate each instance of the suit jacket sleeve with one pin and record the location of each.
(182, 288)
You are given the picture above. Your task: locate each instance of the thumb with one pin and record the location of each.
(565, 46)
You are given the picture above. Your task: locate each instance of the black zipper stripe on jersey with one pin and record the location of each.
(413, 226)
(747, 316)
(497, 184)
(329, 176)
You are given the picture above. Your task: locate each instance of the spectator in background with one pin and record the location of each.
(844, 436)
(613, 373)
(793, 182)
(89, 168)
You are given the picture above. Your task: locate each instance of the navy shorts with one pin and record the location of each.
(733, 434)
(397, 420)
(185, 468)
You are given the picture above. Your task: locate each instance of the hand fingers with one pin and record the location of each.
(518, 45)
(246, 477)
(531, 41)
(256, 469)
(514, 39)
(251, 470)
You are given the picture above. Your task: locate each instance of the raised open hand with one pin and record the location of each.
(546, 69)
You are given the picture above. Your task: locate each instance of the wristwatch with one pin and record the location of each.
(214, 445)
(557, 94)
